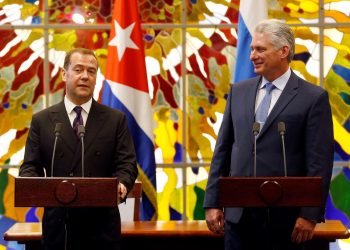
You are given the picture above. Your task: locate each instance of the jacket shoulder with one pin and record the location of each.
(54, 108)
(106, 109)
(246, 83)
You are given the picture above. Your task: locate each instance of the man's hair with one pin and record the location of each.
(81, 51)
(280, 34)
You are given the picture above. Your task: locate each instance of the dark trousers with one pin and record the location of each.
(262, 229)
(81, 229)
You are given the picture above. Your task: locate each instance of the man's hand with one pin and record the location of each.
(122, 190)
(303, 230)
(215, 220)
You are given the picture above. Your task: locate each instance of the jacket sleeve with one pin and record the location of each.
(32, 166)
(124, 162)
(220, 163)
(319, 151)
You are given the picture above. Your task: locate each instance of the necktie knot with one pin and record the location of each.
(77, 110)
(269, 87)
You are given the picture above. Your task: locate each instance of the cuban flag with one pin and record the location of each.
(250, 13)
(126, 89)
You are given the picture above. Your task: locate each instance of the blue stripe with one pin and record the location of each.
(244, 67)
(143, 146)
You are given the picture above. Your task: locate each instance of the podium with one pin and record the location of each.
(270, 191)
(66, 192)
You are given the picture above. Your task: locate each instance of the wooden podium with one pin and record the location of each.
(66, 192)
(270, 191)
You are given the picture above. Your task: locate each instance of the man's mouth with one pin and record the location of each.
(257, 65)
(83, 86)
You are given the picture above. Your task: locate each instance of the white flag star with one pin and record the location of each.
(122, 39)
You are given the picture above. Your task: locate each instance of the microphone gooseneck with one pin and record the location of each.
(58, 128)
(282, 132)
(256, 130)
(81, 133)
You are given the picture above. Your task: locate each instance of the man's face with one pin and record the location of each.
(267, 60)
(80, 78)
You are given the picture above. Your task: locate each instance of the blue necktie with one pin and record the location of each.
(78, 120)
(263, 109)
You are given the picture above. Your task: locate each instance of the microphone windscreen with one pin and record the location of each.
(281, 127)
(256, 127)
(58, 128)
(81, 130)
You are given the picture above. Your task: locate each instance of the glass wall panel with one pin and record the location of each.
(336, 75)
(80, 12)
(210, 65)
(160, 11)
(173, 186)
(337, 80)
(212, 11)
(21, 12)
(21, 89)
(170, 193)
(195, 189)
(164, 62)
(306, 61)
(336, 11)
(295, 11)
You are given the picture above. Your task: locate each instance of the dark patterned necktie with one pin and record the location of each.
(263, 109)
(78, 120)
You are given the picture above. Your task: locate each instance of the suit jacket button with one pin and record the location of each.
(98, 153)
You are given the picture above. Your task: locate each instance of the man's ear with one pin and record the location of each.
(284, 52)
(64, 75)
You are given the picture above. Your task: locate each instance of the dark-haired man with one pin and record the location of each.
(109, 152)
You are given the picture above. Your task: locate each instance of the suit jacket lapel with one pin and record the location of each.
(251, 98)
(286, 96)
(95, 122)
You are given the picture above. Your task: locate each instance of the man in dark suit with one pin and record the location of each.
(109, 152)
(305, 110)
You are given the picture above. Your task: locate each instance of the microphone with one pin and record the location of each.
(81, 133)
(58, 128)
(282, 132)
(256, 130)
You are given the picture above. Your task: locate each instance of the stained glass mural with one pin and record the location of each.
(336, 73)
(190, 54)
(81, 12)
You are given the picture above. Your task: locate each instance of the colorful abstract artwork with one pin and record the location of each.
(190, 48)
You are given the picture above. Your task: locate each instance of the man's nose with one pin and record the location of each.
(252, 55)
(85, 74)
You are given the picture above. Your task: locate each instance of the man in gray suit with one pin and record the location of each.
(109, 152)
(305, 110)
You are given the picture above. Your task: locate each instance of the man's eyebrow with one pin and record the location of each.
(84, 66)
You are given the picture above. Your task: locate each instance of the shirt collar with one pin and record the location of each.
(280, 82)
(70, 105)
